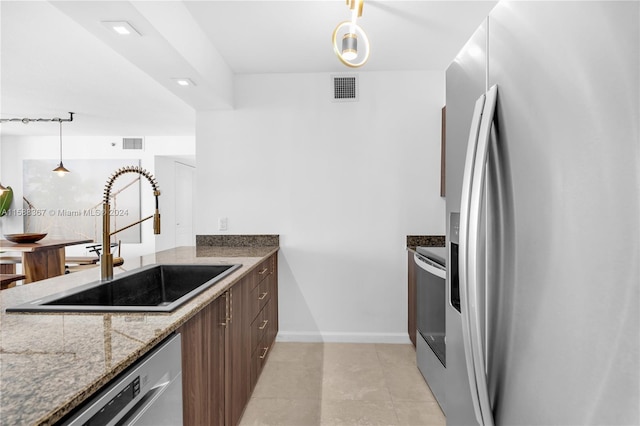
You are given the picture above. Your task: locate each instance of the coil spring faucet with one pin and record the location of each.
(106, 259)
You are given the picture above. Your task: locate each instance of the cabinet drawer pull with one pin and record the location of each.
(227, 313)
(264, 354)
(263, 295)
(263, 271)
(264, 324)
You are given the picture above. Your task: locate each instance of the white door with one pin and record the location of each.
(184, 175)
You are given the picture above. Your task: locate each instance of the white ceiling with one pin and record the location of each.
(58, 57)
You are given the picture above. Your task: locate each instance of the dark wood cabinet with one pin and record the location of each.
(203, 365)
(264, 317)
(238, 351)
(411, 309)
(226, 344)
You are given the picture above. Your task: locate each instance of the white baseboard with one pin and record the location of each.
(333, 337)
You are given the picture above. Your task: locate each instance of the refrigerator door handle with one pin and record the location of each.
(474, 299)
(465, 201)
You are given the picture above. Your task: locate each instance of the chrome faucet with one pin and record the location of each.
(106, 258)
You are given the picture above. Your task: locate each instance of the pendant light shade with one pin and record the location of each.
(61, 170)
(350, 46)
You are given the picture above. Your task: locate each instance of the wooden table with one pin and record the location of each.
(41, 260)
(9, 280)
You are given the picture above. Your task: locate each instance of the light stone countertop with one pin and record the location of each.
(51, 362)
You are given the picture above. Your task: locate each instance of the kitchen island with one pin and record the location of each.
(50, 363)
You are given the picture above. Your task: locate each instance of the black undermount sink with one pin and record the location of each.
(155, 288)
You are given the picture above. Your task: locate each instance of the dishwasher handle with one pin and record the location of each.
(148, 393)
(164, 393)
(430, 266)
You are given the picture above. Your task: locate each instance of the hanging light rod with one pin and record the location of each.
(29, 120)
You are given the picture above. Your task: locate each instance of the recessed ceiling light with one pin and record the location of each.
(184, 82)
(121, 28)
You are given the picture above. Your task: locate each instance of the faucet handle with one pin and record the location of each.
(156, 222)
(118, 261)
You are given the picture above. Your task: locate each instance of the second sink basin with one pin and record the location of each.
(155, 288)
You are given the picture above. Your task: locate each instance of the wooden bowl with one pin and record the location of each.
(24, 238)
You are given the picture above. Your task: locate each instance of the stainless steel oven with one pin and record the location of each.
(430, 312)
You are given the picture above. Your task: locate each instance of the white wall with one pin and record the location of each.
(342, 183)
(15, 149)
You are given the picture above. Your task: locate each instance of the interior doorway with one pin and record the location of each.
(184, 183)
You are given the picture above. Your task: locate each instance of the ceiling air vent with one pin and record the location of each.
(345, 88)
(131, 143)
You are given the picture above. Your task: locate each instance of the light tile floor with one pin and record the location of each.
(331, 384)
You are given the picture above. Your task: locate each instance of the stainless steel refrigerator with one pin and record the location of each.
(543, 172)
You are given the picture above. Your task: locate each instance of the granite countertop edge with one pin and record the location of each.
(203, 254)
(414, 241)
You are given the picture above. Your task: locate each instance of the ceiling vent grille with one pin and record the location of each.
(132, 143)
(345, 88)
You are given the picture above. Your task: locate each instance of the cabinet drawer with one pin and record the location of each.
(271, 312)
(264, 269)
(259, 358)
(261, 325)
(263, 336)
(260, 295)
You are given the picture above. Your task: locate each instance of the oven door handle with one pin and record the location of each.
(431, 267)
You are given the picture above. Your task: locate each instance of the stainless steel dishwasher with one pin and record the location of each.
(147, 393)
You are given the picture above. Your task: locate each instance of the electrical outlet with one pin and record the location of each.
(222, 224)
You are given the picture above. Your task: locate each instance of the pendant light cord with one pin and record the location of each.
(60, 141)
(61, 170)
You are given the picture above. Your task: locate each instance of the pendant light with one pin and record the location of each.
(349, 32)
(61, 170)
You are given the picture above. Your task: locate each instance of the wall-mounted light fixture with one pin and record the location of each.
(349, 32)
(61, 170)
